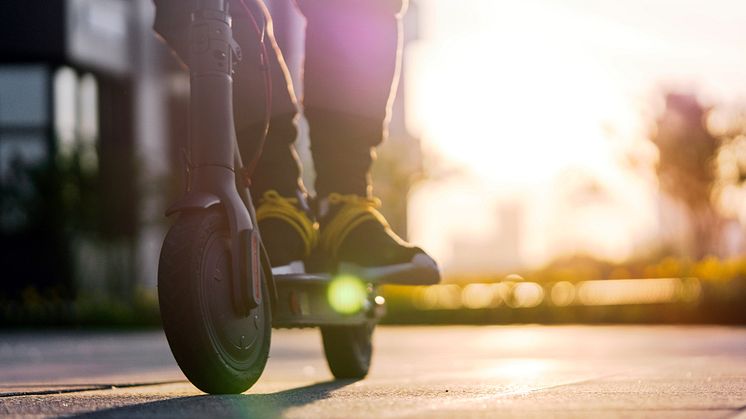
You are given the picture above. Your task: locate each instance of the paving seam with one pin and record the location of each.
(82, 389)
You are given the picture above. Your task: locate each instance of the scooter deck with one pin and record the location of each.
(302, 301)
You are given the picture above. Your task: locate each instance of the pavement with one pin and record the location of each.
(483, 371)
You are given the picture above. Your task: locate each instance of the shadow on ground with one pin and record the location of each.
(239, 405)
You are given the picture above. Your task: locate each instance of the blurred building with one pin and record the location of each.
(498, 252)
(92, 111)
(85, 100)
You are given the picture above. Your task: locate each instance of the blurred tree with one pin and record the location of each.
(56, 201)
(685, 165)
(728, 124)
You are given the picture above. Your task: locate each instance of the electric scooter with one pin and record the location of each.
(219, 298)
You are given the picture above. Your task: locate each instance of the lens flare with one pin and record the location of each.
(346, 294)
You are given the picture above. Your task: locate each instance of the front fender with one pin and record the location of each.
(246, 254)
(193, 200)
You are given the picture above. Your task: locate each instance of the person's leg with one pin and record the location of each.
(172, 19)
(352, 62)
(287, 230)
(278, 168)
(276, 187)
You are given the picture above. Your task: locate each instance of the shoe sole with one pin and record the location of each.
(421, 270)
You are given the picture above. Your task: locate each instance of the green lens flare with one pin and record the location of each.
(346, 294)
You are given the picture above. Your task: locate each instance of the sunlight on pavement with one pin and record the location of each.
(521, 369)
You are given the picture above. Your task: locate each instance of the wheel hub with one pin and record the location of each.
(233, 335)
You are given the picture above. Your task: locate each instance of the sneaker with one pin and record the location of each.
(355, 238)
(288, 233)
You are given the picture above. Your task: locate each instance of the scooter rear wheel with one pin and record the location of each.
(348, 349)
(220, 351)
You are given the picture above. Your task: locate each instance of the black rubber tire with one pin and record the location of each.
(348, 349)
(206, 335)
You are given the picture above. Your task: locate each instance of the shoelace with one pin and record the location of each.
(354, 211)
(274, 205)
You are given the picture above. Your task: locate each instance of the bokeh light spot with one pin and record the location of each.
(563, 293)
(528, 294)
(476, 296)
(346, 294)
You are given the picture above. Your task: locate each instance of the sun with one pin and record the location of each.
(514, 112)
(514, 95)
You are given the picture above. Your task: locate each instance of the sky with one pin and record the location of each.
(544, 107)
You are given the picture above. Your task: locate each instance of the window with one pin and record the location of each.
(24, 115)
(24, 118)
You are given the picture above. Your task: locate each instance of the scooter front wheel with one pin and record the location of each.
(220, 351)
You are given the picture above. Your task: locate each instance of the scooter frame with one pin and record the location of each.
(213, 162)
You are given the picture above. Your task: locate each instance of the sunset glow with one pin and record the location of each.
(547, 107)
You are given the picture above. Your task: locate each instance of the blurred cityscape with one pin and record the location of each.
(92, 111)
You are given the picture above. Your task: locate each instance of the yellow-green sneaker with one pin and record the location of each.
(288, 232)
(356, 238)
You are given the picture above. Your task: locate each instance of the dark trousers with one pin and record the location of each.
(351, 65)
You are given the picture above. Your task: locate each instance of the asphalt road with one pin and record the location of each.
(520, 371)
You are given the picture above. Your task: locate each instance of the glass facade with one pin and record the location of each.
(82, 104)
(24, 142)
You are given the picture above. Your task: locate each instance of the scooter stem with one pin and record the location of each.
(213, 159)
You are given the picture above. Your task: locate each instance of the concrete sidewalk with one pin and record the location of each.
(513, 371)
